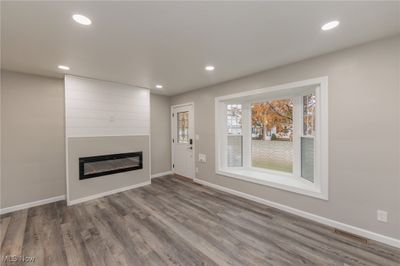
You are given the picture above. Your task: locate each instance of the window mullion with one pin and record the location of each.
(317, 138)
(246, 132)
(223, 137)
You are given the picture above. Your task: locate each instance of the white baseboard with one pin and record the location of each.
(106, 193)
(161, 174)
(31, 204)
(332, 223)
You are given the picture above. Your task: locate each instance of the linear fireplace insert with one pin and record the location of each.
(109, 164)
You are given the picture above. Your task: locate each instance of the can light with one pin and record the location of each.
(62, 67)
(209, 68)
(330, 25)
(81, 19)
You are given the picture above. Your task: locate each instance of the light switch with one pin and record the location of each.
(197, 137)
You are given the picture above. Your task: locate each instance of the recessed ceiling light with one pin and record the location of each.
(330, 25)
(81, 19)
(209, 68)
(63, 67)
(158, 86)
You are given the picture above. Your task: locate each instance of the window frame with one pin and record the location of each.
(287, 181)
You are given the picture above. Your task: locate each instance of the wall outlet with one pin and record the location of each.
(382, 216)
(202, 158)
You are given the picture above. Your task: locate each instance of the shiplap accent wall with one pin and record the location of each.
(102, 108)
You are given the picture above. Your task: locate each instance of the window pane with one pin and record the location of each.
(272, 135)
(235, 142)
(234, 118)
(307, 141)
(307, 158)
(183, 127)
(309, 115)
(235, 151)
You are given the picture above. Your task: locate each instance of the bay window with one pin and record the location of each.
(276, 136)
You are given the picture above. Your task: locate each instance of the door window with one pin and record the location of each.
(183, 127)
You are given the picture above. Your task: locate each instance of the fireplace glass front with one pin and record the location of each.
(109, 164)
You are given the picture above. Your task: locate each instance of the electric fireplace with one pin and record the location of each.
(95, 166)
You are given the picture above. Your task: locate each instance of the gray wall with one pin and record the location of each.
(89, 146)
(364, 134)
(32, 138)
(33, 142)
(160, 109)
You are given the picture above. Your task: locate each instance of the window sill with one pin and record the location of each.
(275, 180)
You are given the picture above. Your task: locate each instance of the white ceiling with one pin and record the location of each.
(145, 43)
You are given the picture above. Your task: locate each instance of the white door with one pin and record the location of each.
(182, 140)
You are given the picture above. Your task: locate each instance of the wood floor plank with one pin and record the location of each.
(14, 236)
(175, 221)
(95, 245)
(4, 221)
(33, 242)
(111, 236)
(75, 250)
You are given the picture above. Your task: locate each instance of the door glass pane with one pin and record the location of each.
(272, 135)
(183, 127)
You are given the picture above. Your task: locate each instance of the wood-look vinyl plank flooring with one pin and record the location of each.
(174, 221)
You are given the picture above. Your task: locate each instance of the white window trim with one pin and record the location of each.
(318, 189)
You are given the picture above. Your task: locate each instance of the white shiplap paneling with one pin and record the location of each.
(102, 108)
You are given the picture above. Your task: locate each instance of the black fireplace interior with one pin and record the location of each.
(109, 164)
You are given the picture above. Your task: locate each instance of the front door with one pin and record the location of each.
(182, 140)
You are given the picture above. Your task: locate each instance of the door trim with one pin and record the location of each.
(194, 137)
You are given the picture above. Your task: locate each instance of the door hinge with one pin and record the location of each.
(173, 114)
(173, 140)
(173, 165)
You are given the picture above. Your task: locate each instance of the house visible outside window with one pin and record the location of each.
(276, 136)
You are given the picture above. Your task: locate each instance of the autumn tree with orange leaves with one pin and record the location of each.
(277, 113)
